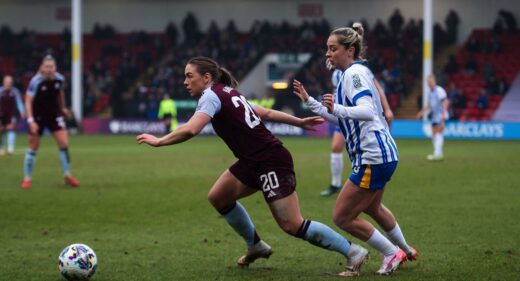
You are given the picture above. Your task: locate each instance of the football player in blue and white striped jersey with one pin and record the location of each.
(372, 150)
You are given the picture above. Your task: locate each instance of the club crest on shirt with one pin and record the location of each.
(44, 88)
(56, 85)
(356, 81)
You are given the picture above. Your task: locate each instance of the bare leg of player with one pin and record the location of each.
(223, 196)
(386, 219)
(286, 212)
(353, 200)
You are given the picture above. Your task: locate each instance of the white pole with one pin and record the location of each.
(427, 48)
(77, 96)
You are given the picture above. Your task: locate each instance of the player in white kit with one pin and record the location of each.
(371, 149)
(437, 105)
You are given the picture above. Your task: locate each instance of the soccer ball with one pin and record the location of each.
(77, 262)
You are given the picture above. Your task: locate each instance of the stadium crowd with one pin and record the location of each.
(126, 75)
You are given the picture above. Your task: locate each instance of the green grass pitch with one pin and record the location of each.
(145, 213)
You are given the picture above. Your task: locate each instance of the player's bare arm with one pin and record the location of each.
(389, 115)
(63, 107)
(182, 134)
(33, 127)
(282, 117)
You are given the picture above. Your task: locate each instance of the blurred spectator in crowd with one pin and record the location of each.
(509, 20)
(439, 36)
(190, 26)
(471, 66)
(492, 85)
(452, 66)
(452, 23)
(503, 86)
(488, 70)
(396, 21)
(482, 101)
(473, 45)
(172, 33)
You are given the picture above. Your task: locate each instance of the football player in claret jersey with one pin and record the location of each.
(10, 102)
(437, 105)
(263, 163)
(356, 108)
(45, 108)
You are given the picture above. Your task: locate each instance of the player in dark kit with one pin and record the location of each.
(10, 102)
(45, 107)
(263, 162)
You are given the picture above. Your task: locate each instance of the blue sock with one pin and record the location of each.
(1, 139)
(323, 236)
(11, 137)
(65, 160)
(28, 164)
(238, 218)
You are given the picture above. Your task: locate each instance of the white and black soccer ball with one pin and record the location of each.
(77, 262)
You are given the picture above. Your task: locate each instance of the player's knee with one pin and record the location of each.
(213, 198)
(289, 227)
(342, 222)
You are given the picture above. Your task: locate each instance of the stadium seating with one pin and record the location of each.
(505, 62)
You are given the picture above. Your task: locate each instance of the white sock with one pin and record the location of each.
(379, 242)
(438, 140)
(434, 142)
(336, 167)
(397, 237)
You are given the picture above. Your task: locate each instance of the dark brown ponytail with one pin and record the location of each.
(219, 74)
(227, 78)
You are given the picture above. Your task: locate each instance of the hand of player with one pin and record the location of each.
(300, 91)
(328, 102)
(33, 128)
(66, 112)
(148, 139)
(419, 115)
(310, 122)
(389, 116)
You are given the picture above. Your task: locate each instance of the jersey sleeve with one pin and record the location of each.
(19, 101)
(357, 85)
(33, 85)
(441, 93)
(61, 78)
(209, 104)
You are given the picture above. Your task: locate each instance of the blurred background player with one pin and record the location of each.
(437, 105)
(264, 164)
(45, 107)
(338, 141)
(10, 101)
(356, 108)
(168, 113)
